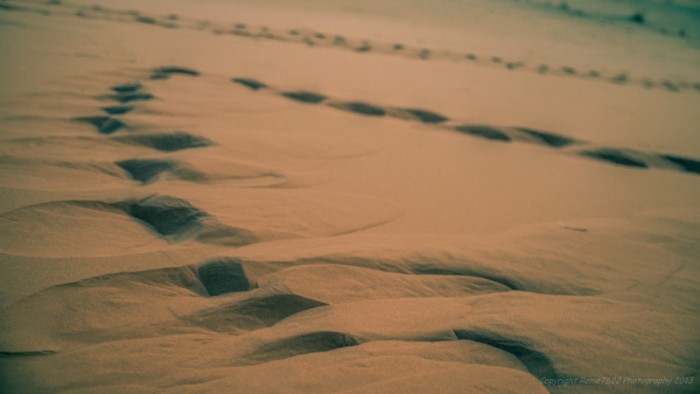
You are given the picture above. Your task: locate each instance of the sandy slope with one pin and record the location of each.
(476, 196)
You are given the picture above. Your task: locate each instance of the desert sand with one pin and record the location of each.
(452, 196)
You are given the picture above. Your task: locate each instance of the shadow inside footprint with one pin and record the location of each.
(314, 342)
(536, 362)
(305, 97)
(33, 353)
(223, 277)
(483, 132)
(104, 124)
(166, 72)
(249, 83)
(688, 165)
(553, 140)
(145, 170)
(361, 108)
(253, 313)
(169, 216)
(117, 109)
(615, 157)
(426, 116)
(167, 142)
(129, 97)
(128, 88)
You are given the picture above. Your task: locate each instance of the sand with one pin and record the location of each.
(365, 197)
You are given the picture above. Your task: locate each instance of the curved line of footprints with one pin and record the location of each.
(146, 170)
(175, 219)
(322, 39)
(617, 156)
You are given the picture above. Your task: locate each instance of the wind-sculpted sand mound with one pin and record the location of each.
(420, 305)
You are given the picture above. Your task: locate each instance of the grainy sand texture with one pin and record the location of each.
(349, 196)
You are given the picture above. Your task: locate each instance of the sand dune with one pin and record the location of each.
(292, 197)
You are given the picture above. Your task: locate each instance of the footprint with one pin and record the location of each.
(365, 47)
(34, 353)
(167, 71)
(614, 156)
(361, 108)
(689, 165)
(145, 170)
(535, 361)
(129, 97)
(483, 132)
(166, 142)
(118, 109)
(128, 88)
(104, 124)
(305, 97)
(249, 83)
(253, 313)
(425, 116)
(314, 342)
(169, 216)
(550, 139)
(223, 277)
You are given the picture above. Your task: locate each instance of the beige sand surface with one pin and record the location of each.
(349, 196)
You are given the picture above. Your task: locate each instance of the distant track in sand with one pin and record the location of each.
(313, 38)
(611, 155)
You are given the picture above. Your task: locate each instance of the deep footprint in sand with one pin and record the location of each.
(146, 170)
(536, 362)
(118, 109)
(169, 216)
(223, 276)
(249, 83)
(166, 142)
(550, 139)
(166, 72)
(104, 124)
(482, 131)
(614, 156)
(252, 314)
(313, 342)
(360, 108)
(305, 97)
